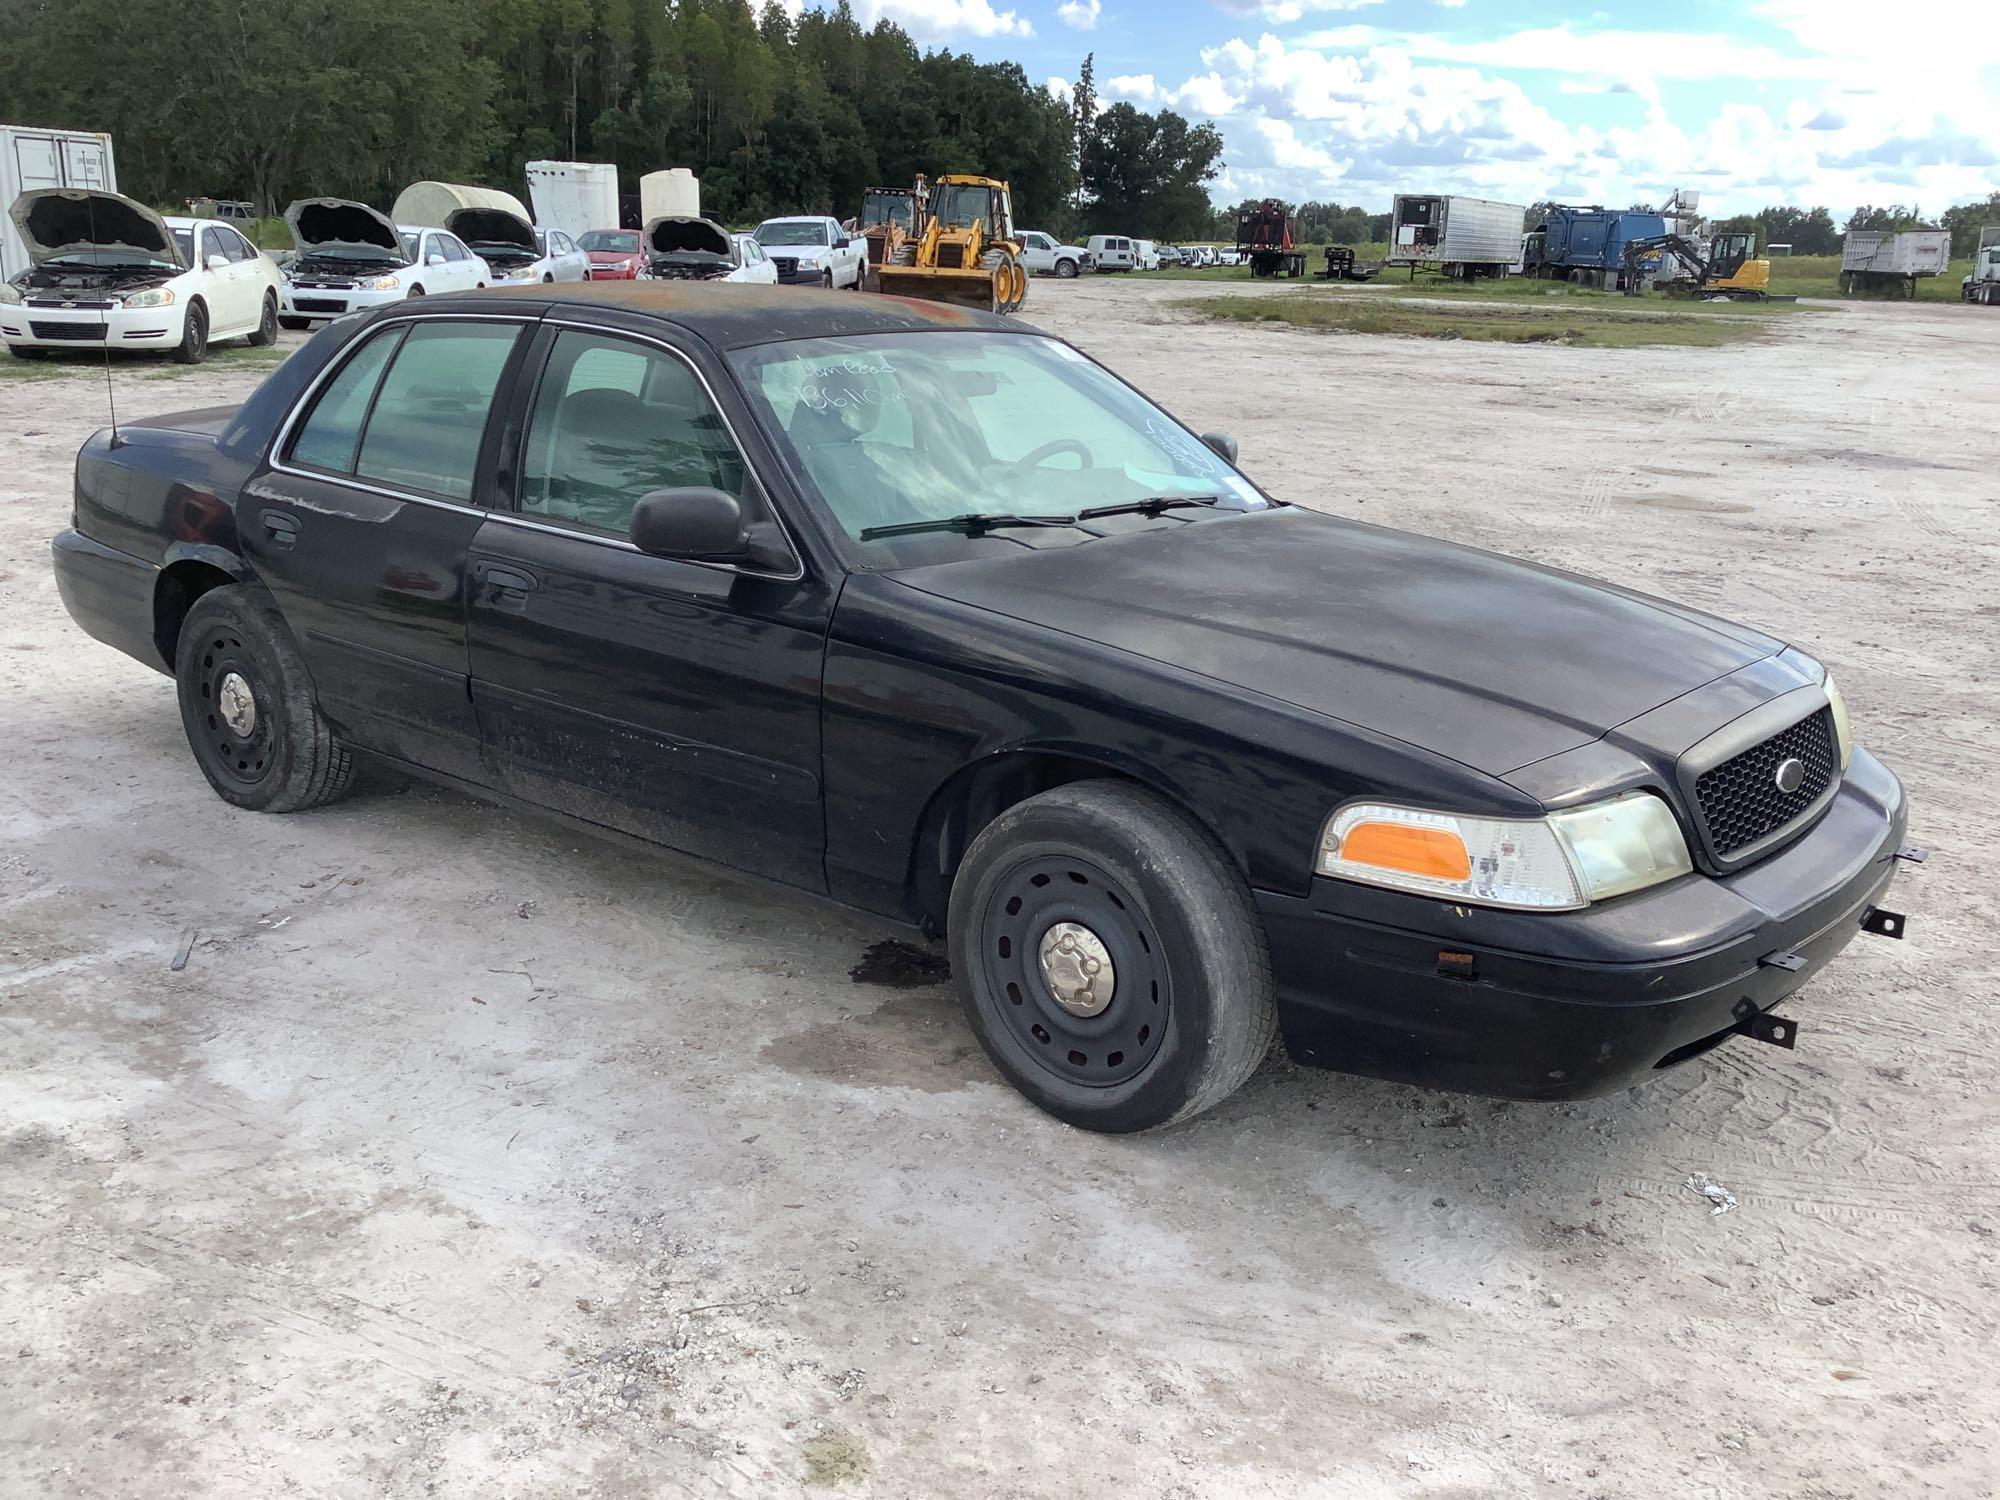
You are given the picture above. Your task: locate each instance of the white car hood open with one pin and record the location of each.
(68, 221)
(479, 227)
(319, 224)
(680, 234)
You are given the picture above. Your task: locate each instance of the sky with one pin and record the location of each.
(1806, 102)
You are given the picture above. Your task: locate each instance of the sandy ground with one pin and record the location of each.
(468, 1158)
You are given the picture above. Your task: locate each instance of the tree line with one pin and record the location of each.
(775, 113)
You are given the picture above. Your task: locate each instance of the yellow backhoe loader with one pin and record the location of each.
(891, 220)
(967, 252)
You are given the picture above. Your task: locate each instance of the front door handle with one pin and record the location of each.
(508, 588)
(280, 529)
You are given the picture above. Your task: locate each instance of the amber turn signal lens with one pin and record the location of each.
(1435, 852)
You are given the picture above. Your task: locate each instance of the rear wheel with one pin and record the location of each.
(193, 347)
(1107, 955)
(266, 332)
(249, 710)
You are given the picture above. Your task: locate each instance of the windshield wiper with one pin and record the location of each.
(972, 523)
(1150, 506)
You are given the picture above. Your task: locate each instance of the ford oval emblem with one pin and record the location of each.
(1790, 775)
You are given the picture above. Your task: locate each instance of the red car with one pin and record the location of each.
(615, 254)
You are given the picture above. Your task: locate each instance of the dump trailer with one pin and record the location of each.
(1586, 246)
(968, 253)
(1983, 285)
(1880, 260)
(1267, 238)
(1463, 237)
(891, 220)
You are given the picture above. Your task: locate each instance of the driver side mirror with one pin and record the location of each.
(696, 524)
(435, 258)
(218, 263)
(1223, 444)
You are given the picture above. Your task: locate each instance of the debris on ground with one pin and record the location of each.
(901, 966)
(1719, 1196)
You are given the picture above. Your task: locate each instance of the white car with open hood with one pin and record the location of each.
(106, 272)
(351, 256)
(680, 247)
(515, 250)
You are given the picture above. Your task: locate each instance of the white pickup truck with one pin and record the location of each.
(812, 251)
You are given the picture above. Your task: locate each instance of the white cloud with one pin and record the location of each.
(938, 20)
(1081, 15)
(1283, 12)
(1061, 90)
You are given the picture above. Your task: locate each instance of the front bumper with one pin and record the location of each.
(797, 273)
(1568, 1005)
(91, 327)
(323, 304)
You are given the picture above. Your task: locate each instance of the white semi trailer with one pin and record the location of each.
(1873, 260)
(1464, 237)
(574, 196)
(31, 158)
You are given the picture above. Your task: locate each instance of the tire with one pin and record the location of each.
(415, 291)
(286, 757)
(265, 333)
(826, 280)
(193, 347)
(1190, 1012)
(295, 324)
(548, 278)
(1066, 270)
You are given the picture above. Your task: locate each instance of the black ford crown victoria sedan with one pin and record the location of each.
(929, 613)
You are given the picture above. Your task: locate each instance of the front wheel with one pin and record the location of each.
(193, 347)
(249, 709)
(1066, 270)
(266, 332)
(1108, 958)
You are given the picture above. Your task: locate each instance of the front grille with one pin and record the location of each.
(59, 302)
(951, 256)
(320, 304)
(1740, 801)
(79, 332)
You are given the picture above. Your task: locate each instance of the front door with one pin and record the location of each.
(673, 700)
(231, 297)
(361, 526)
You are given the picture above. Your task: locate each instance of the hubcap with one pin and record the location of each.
(237, 705)
(1077, 968)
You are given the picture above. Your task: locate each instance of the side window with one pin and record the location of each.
(332, 429)
(430, 415)
(244, 249)
(614, 420)
(453, 250)
(211, 244)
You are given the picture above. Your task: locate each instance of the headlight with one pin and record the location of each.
(1555, 863)
(159, 296)
(1842, 729)
(379, 284)
(9, 295)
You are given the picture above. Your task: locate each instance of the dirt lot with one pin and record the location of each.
(465, 1157)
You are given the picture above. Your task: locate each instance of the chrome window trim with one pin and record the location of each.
(281, 445)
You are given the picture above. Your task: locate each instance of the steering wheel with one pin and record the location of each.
(1050, 450)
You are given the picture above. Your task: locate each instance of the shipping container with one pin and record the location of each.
(32, 158)
(574, 196)
(1461, 236)
(426, 205)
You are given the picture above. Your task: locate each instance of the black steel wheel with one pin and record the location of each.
(1107, 956)
(193, 347)
(266, 332)
(248, 707)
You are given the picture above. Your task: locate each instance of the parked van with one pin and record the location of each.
(1146, 255)
(1111, 252)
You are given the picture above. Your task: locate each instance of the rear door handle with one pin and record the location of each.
(507, 587)
(280, 529)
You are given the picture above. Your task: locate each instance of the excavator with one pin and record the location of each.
(1729, 268)
(891, 219)
(966, 251)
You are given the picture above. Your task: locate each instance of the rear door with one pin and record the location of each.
(378, 483)
(672, 700)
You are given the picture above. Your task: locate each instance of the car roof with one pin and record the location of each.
(736, 315)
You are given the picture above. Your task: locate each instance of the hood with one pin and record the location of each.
(1492, 662)
(65, 221)
(341, 224)
(495, 227)
(677, 234)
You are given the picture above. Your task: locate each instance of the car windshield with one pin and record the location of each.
(960, 205)
(791, 234)
(907, 428)
(611, 241)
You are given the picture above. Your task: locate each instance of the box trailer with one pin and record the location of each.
(1461, 236)
(574, 196)
(1881, 260)
(33, 158)
(1586, 246)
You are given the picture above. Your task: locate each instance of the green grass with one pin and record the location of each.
(1603, 324)
(127, 365)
